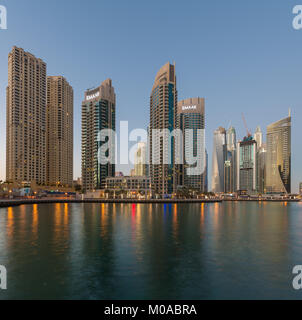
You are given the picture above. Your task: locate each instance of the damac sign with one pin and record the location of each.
(93, 96)
(189, 108)
(3, 18)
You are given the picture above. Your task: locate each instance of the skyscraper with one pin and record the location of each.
(98, 113)
(206, 178)
(300, 189)
(247, 165)
(219, 157)
(191, 116)
(230, 162)
(163, 112)
(261, 168)
(59, 138)
(140, 159)
(26, 118)
(278, 162)
(228, 178)
(231, 139)
(258, 136)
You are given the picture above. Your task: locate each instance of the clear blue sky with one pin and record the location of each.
(241, 55)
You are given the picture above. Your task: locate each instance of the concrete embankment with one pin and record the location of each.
(18, 202)
(14, 203)
(262, 200)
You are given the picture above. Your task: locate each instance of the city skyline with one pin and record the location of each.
(40, 140)
(272, 100)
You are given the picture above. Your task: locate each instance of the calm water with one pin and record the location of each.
(197, 251)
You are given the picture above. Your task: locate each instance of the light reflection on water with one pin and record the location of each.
(232, 250)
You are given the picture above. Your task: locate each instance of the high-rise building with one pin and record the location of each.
(191, 120)
(140, 160)
(229, 175)
(261, 160)
(219, 157)
(206, 178)
(231, 139)
(258, 136)
(98, 113)
(230, 162)
(163, 113)
(247, 165)
(26, 118)
(228, 178)
(59, 137)
(278, 160)
(300, 189)
(261, 168)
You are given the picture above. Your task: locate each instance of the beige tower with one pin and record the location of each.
(26, 118)
(59, 139)
(278, 157)
(140, 159)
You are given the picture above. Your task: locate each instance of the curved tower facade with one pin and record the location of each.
(278, 161)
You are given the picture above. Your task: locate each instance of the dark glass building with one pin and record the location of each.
(98, 113)
(247, 165)
(191, 116)
(163, 112)
(230, 162)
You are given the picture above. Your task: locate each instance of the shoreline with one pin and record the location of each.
(14, 203)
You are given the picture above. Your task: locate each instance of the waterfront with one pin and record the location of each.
(229, 250)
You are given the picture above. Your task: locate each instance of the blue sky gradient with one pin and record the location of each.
(241, 55)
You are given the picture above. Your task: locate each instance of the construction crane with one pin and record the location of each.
(249, 134)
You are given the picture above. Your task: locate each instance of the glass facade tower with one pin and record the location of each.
(247, 165)
(98, 113)
(191, 120)
(230, 162)
(163, 113)
(278, 162)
